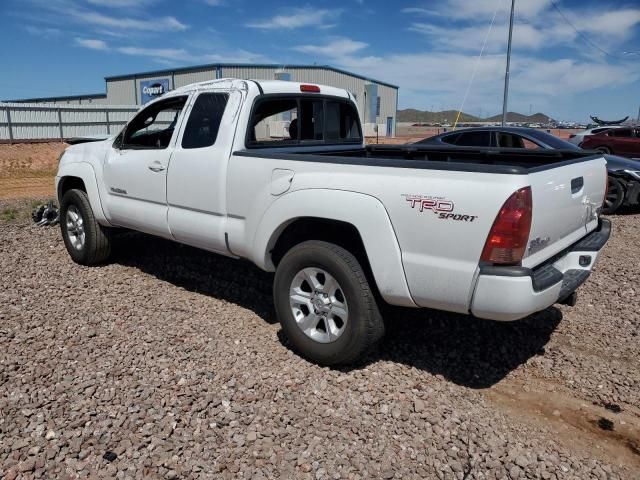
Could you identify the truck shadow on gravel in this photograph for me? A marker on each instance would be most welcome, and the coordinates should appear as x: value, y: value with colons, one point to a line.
x: 469, y: 352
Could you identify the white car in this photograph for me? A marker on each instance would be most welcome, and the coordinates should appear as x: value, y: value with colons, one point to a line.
x: 578, y: 137
x: 498, y: 234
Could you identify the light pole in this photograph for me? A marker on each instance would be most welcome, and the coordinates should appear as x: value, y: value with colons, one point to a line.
x: 506, y: 75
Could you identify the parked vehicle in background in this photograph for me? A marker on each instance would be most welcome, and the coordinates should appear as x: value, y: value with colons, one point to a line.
x: 578, y: 137
x: 500, y: 137
x: 344, y: 226
x: 618, y: 141
x: 624, y: 173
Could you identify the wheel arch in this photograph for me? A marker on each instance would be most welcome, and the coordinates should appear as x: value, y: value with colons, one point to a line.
x: 355, y: 221
x: 81, y: 176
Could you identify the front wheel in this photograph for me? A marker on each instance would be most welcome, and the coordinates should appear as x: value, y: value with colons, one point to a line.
x: 605, y: 150
x: 87, y: 242
x: 615, y: 196
x: 325, y: 304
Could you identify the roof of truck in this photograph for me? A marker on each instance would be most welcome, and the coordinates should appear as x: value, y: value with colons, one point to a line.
x: 265, y: 86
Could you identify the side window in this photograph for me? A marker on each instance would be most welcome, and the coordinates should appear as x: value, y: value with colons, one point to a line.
x: 508, y: 140
x: 153, y: 127
x: 620, y: 132
x: 204, y: 120
x: 451, y: 139
x: 475, y: 139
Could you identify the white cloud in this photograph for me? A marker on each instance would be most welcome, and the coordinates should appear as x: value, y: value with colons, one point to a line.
x: 214, y: 3
x: 236, y: 56
x: 91, y: 43
x: 45, y: 32
x: 158, y: 24
x: 122, y: 3
x: 462, y: 24
x: 335, y: 48
x: 439, y: 78
x: 171, y: 56
x: 298, y: 18
x: 164, y: 53
x: 475, y: 9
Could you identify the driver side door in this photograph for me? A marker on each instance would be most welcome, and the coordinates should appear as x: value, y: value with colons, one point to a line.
x: 136, y: 166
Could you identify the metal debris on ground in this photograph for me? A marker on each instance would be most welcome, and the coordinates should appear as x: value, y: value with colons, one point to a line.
x: 48, y: 214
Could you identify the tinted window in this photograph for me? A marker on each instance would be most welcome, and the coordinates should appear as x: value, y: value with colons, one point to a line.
x: 153, y: 127
x: 204, y: 120
x: 474, y: 139
x: 311, y: 120
x: 342, y: 122
x: 620, y: 132
x: 508, y: 140
x: 451, y: 139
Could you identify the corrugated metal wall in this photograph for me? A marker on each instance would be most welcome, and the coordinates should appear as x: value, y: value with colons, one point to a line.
x: 40, y: 121
x: 122, y: 92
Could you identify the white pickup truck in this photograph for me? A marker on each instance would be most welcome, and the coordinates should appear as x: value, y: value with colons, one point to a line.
x: 278, y: 173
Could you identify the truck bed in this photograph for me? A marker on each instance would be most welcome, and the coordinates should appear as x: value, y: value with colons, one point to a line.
x: 512, y: 161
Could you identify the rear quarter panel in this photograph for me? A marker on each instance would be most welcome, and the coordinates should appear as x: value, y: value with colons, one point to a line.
x: 440, y: 218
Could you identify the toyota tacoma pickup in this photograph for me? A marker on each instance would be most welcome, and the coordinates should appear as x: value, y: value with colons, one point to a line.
x: 278, y: 173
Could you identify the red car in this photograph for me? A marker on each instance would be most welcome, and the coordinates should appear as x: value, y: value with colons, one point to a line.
x: 618, y: 141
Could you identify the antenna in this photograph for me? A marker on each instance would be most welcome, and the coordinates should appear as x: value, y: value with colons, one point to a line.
x: 506, y: 74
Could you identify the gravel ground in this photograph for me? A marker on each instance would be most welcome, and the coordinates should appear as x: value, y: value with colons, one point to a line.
x: 168, y: 363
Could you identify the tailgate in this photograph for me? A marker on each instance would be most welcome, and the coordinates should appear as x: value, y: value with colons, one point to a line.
x: 566, y: 201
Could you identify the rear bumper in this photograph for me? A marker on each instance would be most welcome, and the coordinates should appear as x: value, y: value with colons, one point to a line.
x: 510, y: 293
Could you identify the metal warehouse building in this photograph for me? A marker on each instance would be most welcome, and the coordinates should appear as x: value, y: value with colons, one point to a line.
x: 377, y: 101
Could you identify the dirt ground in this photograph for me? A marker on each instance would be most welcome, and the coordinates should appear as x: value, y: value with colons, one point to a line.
x: 168, y: 363
x: 27, y: 170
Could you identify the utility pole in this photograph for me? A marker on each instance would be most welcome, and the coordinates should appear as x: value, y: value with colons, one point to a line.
x: 506, y: 75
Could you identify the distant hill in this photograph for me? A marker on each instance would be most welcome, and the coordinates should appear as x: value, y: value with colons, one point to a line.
x: 520, y: 118
x: 412, y: 115
x: 449, y: 116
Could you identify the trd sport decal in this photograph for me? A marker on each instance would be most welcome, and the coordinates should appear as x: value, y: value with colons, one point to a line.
x: 440, y: 206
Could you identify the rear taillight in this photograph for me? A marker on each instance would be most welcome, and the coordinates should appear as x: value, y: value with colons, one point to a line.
x: 507, y: 240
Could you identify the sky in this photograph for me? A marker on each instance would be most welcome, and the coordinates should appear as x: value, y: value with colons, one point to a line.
x: 571, y: 58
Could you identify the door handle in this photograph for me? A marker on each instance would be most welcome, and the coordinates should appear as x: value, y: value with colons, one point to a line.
x: 157, y: 168
x: 577, y: 184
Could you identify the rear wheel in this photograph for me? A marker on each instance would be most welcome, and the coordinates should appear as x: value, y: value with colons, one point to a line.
x: 87, y: 242
x: 605, y: 150
x: 325, y: 304
x: 615, y: 196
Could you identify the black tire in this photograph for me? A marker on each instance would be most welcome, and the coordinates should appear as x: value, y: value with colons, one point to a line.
x: 615, y: 196
x: 365, y: 326
x: 97, y: 243
x: 605, y: 150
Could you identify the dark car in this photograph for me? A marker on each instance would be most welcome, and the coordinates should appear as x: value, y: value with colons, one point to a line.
x: 618, y: 141
x: 624, y: 173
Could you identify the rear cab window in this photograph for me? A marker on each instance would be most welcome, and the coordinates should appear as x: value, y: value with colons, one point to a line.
x: 285, y: 120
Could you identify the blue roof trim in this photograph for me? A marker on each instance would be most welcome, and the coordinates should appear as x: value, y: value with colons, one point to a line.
x: 213, y: 66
